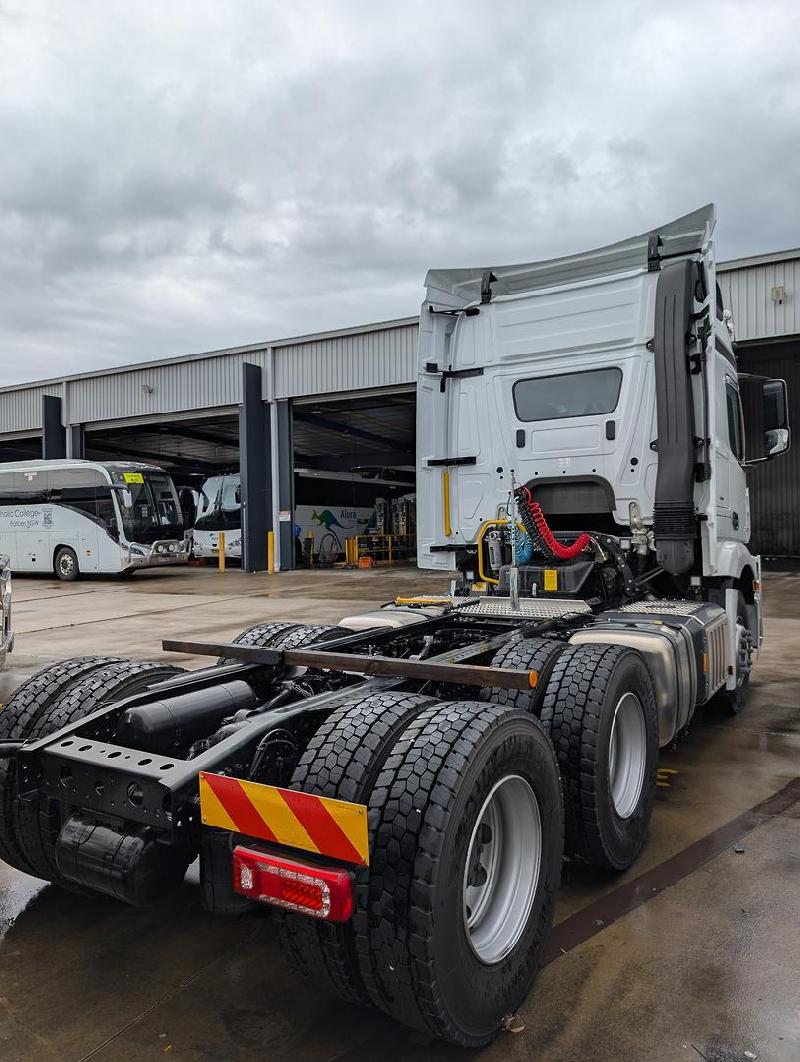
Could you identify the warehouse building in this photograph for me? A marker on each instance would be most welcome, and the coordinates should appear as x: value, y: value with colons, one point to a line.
x: 337, y: 408
x: 331, y: 416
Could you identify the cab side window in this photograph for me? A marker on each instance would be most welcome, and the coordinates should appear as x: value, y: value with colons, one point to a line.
x: 734, y: 421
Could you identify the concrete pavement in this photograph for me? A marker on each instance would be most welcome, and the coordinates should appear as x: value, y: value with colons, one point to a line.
x: 700, y: 959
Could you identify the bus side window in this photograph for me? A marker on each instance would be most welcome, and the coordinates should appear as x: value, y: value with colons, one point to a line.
x: 83, y: 489
x: 81, y: 498
x: 31, y: 486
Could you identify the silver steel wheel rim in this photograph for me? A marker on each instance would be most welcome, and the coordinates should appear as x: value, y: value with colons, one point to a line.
x: 66, y: 564
x: 502, y: 870
x: 627, y: 755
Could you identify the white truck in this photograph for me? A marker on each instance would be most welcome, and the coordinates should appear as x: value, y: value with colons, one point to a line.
x: 402, y: 788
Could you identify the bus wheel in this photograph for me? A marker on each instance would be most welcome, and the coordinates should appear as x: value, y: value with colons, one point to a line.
x: 466, y: 828
x: 600, y: 712
x: 66, y: 564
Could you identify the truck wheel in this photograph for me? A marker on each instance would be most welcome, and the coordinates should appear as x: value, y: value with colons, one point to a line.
x: 287, y: 636
x: 529, y: 654
x: 467, y: 838
x: 18, y: 719
x: 343, y: 760
x: 65, y: 564
x: 38, y: 820
x: 307, y: 634
x: 600, y: 712
x: 734, y: 700
x: 260, y: 635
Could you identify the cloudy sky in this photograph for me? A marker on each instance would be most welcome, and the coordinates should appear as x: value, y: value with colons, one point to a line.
x: 190, y: 175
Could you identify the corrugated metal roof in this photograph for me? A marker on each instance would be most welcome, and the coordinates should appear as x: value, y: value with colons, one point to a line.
x: 758, y: 259
x: 375, y: 355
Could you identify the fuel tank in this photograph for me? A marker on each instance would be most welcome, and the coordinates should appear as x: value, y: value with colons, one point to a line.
x: 685, y: 645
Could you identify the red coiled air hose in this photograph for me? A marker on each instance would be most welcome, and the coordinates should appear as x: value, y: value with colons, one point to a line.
x: 558, y: 549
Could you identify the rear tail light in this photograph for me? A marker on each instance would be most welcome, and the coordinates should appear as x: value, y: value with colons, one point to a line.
x: 316, y: 891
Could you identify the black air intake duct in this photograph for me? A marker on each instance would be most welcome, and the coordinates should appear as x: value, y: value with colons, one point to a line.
x: 675, y: 524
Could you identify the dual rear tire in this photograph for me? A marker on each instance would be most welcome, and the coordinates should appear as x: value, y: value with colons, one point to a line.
x: 468, y: 829
x: 59, y: 695
x: 466, y: 836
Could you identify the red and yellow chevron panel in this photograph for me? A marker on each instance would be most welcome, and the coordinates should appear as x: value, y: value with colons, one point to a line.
x: 317, y: 824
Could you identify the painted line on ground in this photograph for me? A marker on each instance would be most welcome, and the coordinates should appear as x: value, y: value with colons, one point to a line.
x: 580, y: 927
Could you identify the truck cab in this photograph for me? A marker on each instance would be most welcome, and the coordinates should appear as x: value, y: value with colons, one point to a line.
x: 606, y: 385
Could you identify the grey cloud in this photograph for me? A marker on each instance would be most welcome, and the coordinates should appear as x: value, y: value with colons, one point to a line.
x: 194, y: 175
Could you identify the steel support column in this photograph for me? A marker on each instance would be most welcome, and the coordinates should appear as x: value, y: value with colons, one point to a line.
x: 54, y: 438
x: 255, y: 463
x: 76, y: 442
x: 285, y: 445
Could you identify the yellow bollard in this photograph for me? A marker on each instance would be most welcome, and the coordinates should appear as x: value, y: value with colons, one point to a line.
x: 221, y: 550
x: 271, y: 552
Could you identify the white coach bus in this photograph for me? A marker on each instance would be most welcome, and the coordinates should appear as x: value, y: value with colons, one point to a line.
x: 81, y: 517
x: 349, y: 511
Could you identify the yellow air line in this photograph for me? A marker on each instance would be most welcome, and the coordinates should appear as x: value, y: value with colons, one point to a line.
x: 481, y: 532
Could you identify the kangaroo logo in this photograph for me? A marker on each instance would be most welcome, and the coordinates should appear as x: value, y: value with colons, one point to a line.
x: 327, y: 520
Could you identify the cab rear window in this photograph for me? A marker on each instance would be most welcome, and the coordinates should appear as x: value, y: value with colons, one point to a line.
x: 570, y: 394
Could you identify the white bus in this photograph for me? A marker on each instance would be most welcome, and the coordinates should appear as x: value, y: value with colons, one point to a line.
x: 220, y: 509
x: 81, y: 517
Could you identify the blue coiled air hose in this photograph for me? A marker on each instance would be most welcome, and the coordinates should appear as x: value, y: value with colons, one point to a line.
x: 524, y: 547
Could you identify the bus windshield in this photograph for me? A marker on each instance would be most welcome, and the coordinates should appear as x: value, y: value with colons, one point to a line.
x: 155, y: 512
x: 220, y: 507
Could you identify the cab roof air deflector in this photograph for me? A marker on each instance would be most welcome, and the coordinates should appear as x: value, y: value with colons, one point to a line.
x: 686, y: 235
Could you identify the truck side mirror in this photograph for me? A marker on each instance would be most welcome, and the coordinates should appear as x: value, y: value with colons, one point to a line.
x: 238, y: 495
x: 766, y: 417
x: 777, y: 434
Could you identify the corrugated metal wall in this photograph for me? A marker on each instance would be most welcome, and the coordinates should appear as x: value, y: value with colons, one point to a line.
x: 21, y: 409
x: 202, y: 383
x: 347, y: 363
x: 747, y: 293
x: 775, y: 485
x: 373, y: 357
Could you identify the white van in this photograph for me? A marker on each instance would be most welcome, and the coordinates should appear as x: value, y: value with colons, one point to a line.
x: 78, y: 517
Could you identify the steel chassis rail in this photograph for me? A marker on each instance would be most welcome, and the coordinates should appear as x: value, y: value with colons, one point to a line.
x: 82, y: 765
x: 353, y: 663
